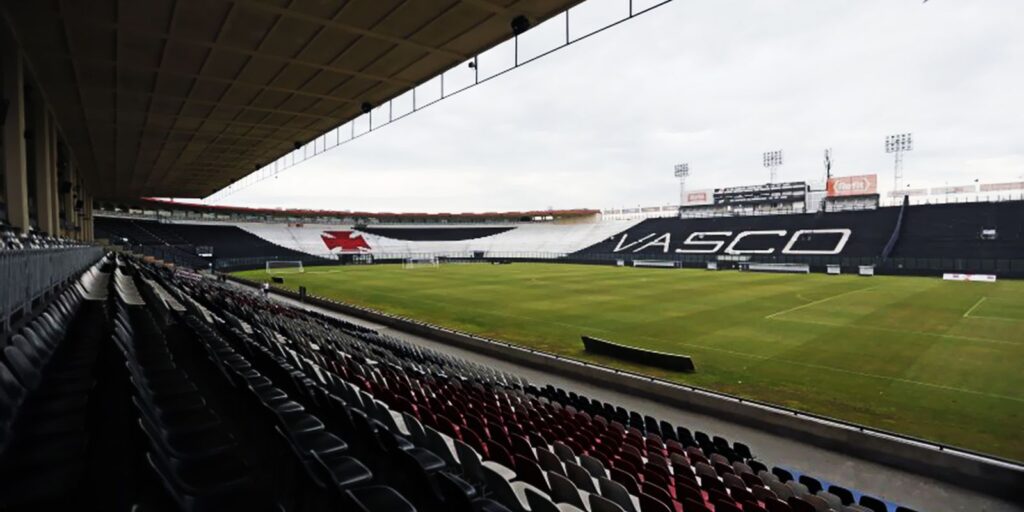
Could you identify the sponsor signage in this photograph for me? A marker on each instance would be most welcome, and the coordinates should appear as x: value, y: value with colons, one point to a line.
x: 909, y: 192
x: 1001, y: 187
x: 793, y: 191
x: 865, y: 184
x: 698, y: 197
x: 957, y: 189
x: 978, y: 278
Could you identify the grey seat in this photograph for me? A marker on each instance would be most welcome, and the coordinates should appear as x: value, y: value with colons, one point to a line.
x: 580, y: 477
x: 30, y: 351
x: 819, y: 503
x: 767, y: 476
x: 416, y: 433
x: 470, y: 462
x: 599, y: 504
x: 617, y: 493
x: 799, y: 490
x: 781, y: 490
x: 593, y: 466
x: 564, y: 491
x: 856, y: 508
x: 549, y: 461
x: 436, y: 444
x: 833, y: 501
x: 501, y: 490
x: 741, y: 468
x: 539, y: 502
x: 763, y: 493
x: 563, y: 451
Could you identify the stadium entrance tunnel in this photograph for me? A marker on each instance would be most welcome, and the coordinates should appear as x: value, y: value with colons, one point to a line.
x: 664, y: 360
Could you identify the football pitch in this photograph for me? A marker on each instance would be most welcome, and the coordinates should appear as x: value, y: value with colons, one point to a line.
x: 933, y: 359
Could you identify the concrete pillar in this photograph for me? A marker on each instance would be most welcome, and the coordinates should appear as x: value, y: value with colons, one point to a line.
x: 45, y: 167
x: 15, y: 173
x: 55, y: 177
x: 69, y: 201
x: 87, y: 231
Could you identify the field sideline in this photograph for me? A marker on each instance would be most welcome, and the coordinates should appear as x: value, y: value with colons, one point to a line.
x: 933, y: 359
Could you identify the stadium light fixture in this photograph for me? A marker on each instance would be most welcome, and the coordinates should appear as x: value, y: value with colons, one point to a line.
x: 772, y: 161
x: 681, y: 172
x: 897, y: 145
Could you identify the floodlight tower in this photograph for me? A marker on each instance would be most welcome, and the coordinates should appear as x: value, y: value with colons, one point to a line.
x: 897, y: 145
x: 682, y: 171
x: 772, y: 161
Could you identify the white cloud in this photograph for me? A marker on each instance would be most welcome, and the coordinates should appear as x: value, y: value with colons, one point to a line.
x: 710, y: 83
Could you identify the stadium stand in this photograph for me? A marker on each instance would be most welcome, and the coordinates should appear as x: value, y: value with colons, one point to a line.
x: 540, y: 238
x: 243, y: 402
x: 869, y: 231
x: 955, y: 231
x: 171, y: 239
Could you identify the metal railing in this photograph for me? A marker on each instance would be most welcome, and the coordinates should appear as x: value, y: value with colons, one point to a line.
x: 29, y: 274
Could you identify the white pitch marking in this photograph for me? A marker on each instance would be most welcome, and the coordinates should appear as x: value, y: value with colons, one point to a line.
x: 975, y: 306
x: 815, y: 303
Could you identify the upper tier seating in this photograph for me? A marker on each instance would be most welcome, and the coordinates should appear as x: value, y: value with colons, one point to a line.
x: 954, y: 231
x: 227, y: 241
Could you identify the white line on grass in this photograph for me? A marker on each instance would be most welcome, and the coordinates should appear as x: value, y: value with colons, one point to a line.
x: 815, y: 303
x: 975, y: 306
x: 1000, y: 318
x: 901, y: 331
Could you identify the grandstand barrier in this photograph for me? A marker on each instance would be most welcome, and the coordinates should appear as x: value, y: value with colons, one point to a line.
x: 26, y: 276
x: 791, y: 268
x: 665, y: 360
x: 655, y: 263
x: 971, y: 470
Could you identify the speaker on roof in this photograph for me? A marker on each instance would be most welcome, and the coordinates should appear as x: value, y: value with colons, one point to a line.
x: 366, y: 107
x: 520, y: 24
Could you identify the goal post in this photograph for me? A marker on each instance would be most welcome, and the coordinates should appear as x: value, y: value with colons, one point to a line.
x: 420, y: 262
x: 284, y: 267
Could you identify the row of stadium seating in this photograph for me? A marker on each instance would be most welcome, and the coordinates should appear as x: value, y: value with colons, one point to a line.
x: 243, y: 402
x: 12, y: 240
x: 954, y: 231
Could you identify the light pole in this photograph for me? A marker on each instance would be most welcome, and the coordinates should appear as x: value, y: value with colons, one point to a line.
x: 772, y: 161
x: 897, y: 145
x: 682, y: 171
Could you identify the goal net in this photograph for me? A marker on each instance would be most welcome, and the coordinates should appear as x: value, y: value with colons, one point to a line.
x: 420, y: 262
x: 284, y: 267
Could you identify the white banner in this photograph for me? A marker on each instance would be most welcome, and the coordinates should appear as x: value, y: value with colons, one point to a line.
x: 977, y: 278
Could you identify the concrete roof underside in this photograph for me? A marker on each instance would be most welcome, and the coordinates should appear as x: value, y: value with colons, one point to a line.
x: 178, y: 98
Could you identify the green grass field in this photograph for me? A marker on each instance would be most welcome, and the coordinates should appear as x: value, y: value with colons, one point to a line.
x: 932, y: 359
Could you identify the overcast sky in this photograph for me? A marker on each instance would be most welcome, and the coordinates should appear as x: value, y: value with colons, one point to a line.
x: 710, y: 82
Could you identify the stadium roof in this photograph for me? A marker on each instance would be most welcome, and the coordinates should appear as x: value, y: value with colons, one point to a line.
x: 163, y: 204
x: 178, y: 98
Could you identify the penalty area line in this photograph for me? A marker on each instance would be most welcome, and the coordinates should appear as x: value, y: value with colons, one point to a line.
x: 815, y: 303
x: 975, y: 306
